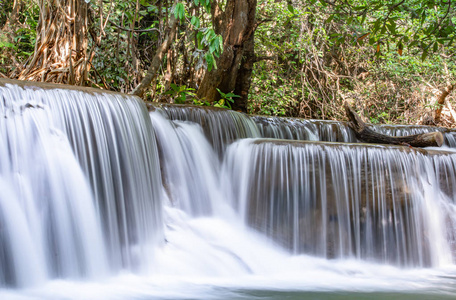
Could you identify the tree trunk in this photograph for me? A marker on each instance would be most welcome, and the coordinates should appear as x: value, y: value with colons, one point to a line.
x: 365, y: 134
x: 157, y: 60
x: 236, y: 24
x: 441, y: 102
x: 244, y: 77
x: 61, y: 46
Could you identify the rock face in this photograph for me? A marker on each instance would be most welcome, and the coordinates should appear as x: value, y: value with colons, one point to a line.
x: 343, y: 200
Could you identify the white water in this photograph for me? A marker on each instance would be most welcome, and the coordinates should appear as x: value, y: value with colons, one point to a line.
x: 190, y: 166
x: 212, y: 258
x: 209, y: 251
x: 334, y: 131
x: 347, y: 201
x: 46, y: 203
x: 69, y: 212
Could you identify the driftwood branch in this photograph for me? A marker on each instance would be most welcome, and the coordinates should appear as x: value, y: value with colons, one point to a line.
x: 365, y: 134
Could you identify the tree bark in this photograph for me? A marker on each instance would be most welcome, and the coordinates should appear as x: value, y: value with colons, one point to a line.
x: 365, y: 134
x: 441, y: 102
x: 236, y: 24
x: 61, y: 46
x: 158, y: 58
x: 244, y: 76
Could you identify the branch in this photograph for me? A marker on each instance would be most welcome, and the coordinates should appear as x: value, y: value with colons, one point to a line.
x: 444, y: 17
x: 365, y: 134
x: 390, y: 10
x: 157, y: 60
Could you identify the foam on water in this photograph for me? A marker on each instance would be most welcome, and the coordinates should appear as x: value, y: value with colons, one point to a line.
x: 212, y: 258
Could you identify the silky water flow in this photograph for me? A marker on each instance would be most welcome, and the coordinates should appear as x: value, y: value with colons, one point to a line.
x: 100, y: 199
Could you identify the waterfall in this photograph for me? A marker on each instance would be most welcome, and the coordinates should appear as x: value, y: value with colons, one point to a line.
x: 300, y: 129
x: 189, y: 165
x: 401, y: 130
x: 220, y: 126
x: 101, y: 199
x: 334, y: 200
x: 334, y: 131
x: 80, y: 191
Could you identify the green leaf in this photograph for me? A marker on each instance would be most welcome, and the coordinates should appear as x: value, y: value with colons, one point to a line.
x: 195, y: 22
x: 436, y: 47
x: 391, y: 26
x: 212, y: 47
x: 231, y: 95
x: 424, y: 55
x: 376, y: 26
x: 291, y: 8
x: 363, y: 18
x: 441, y: 41
x: 179, y: 11
x: 199, y: 37
x: 221, y: 93
x: 328, y: 20
x: 220, y: 39
x: 210, y: 61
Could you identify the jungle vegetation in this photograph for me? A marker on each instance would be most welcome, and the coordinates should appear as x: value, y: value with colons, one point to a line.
x: 394, y: 59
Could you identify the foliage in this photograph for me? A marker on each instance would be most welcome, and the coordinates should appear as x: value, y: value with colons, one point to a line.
x: 226, y: 99
x: 322, y: 52
x: 420, y: 25
x: 17, y: 41
x: 180, y: 93
x: 311, y: 55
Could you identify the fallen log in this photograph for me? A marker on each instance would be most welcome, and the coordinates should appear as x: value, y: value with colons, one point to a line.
x: 366, y: 134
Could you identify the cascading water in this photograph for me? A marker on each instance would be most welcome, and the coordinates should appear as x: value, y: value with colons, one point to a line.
x: 333, y: 131
x: 347, y: 201
x: 300, y: 129
x: 401, y: 130
x: 190, y: 167
x: 80, y: 192
x: 83, y: 176
x: 47, y: 218
x: 220, y: 126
